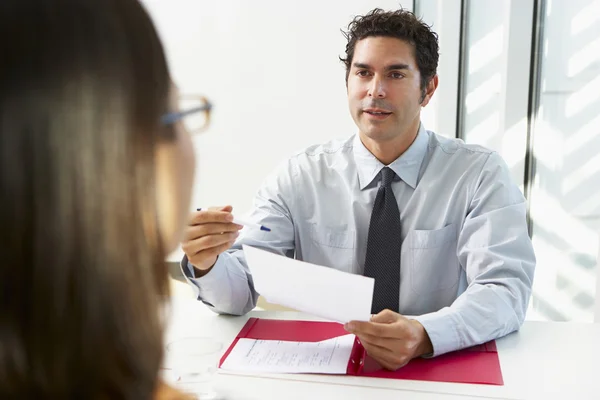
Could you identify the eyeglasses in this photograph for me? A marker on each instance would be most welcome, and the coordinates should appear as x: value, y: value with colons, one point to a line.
x: 195, y: 113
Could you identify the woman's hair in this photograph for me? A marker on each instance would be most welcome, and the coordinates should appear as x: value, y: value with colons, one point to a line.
x: 83, y: 84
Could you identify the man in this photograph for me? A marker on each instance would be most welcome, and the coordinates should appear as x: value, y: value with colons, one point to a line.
x: 438, y: 223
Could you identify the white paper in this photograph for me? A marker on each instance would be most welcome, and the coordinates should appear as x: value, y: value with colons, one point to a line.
x: 276, y: 356
x: 313, y: 289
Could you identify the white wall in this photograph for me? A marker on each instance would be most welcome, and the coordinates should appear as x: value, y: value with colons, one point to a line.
x: 444, y: 18
x: 271, y: 69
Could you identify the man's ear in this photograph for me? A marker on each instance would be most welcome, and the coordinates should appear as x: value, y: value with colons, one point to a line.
x: 429, y: 90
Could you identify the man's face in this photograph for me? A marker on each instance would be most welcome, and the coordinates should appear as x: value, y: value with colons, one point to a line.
x: 384, y: 92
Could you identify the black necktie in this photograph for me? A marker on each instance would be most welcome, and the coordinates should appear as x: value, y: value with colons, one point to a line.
x: 383, y: 246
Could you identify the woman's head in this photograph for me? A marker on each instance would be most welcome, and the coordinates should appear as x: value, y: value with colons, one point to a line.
x: 94, y: 191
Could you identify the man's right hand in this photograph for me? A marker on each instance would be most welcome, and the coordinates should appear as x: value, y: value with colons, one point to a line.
x: 209, y: 233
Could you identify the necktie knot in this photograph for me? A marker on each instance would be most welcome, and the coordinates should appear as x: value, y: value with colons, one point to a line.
x: 387, y: 176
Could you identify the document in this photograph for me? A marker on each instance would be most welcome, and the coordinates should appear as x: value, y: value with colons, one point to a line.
x: 313, y: 289
x: 329, y: 356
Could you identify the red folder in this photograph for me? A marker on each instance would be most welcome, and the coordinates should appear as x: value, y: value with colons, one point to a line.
x: 478, y: 364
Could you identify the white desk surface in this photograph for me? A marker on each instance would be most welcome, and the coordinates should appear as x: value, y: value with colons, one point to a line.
x: 544, y: 360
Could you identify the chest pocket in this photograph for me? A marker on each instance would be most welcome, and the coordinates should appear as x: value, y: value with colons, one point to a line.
x: 332, y: 247
x: 433, y: 263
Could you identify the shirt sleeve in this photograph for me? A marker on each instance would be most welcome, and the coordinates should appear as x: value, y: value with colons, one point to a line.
x: 497, y: 254
x: 228, y: 287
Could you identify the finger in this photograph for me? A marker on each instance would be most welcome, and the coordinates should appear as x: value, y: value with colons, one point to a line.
x: 385, y: 357
x: 192, y: 247
x: 198, y: 231
x: 385, y: 343
x: 199, y: 257
x: 386, y: 316
x: 208, y: 216
x: 370, y: 328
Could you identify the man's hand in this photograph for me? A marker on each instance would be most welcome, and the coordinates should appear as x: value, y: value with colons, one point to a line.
x: 391, y: 339
x: 209, y: 233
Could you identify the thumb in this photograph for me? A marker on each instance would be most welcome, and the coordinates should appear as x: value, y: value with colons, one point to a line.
x: 221, y: 208
x: 386, y: 317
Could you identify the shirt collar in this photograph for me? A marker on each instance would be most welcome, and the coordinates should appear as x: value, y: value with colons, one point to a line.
x: 406, y: 166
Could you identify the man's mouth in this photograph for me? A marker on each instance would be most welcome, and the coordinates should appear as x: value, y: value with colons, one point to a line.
x: 377, y: 112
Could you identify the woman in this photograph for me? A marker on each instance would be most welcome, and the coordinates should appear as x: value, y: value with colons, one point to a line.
x: 95, y: 189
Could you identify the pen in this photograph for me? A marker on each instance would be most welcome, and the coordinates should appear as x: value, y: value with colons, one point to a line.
x: 241, y: 221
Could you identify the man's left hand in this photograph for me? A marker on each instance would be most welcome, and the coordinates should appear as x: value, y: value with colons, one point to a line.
x: 391, y: 339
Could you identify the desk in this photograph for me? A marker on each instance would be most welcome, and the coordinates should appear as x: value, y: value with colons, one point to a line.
x: 544, y: 360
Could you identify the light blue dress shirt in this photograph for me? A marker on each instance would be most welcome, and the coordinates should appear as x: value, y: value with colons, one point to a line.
x: 467, y: 262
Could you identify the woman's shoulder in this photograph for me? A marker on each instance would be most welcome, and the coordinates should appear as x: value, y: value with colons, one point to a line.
x: 166, y: 392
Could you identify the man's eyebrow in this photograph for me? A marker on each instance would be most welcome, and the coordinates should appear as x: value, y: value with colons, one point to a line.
x: 397, y: 66
x: 361, y: 65
x: 388, y: 68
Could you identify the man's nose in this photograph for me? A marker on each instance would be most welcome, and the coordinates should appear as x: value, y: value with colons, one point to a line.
x: 377, y: 88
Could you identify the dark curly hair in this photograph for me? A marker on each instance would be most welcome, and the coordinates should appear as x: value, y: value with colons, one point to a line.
x: 401, y: 24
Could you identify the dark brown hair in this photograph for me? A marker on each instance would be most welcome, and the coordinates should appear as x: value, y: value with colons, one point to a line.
x: 83, y: 84
x: 400, y: 24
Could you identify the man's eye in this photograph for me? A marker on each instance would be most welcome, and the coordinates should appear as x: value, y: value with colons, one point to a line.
x: 396, y: 75
x: 362, y: 73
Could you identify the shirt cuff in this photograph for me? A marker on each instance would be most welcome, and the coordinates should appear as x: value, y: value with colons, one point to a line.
x: 441, y: 327
x: 187, y: 268
x: 188, y: 273
x: 202, y: 285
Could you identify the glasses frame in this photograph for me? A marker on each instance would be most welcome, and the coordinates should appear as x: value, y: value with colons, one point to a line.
x: 173, y: 117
